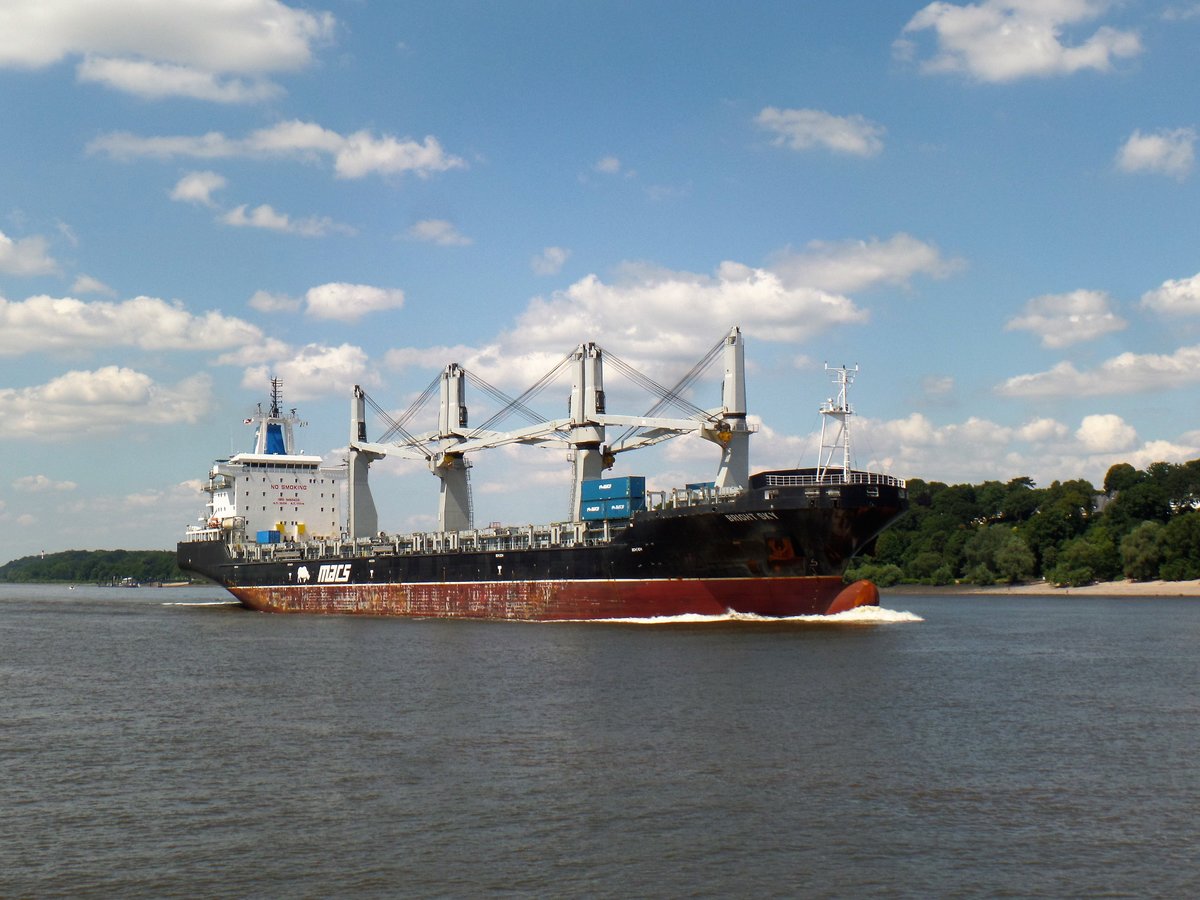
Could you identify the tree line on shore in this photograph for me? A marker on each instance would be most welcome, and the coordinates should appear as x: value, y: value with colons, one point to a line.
x: 95, y: 567
x: 1142, y: 525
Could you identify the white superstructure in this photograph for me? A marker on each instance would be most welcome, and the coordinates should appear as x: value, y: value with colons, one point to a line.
x: 273, y: 488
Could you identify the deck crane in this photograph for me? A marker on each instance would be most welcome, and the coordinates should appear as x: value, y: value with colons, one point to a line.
x: 582, y: 431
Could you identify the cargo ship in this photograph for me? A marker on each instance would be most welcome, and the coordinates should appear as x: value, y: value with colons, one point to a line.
x: 773, y: 543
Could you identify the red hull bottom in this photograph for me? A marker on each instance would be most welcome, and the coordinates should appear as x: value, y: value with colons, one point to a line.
x: 569, y: 600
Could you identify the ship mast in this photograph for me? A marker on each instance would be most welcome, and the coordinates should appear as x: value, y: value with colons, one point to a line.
x: 734, y: 435
x: 455, y: 511
x: 276, y: 396
x: 838, y: 411
x: 363, y: 520
x: 275, y: 435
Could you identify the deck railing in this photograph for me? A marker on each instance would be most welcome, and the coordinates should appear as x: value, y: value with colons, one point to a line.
x: 832, y: 479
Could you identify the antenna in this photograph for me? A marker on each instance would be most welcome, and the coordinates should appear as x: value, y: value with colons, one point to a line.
x: 839, y: 411
x: 276, y: 396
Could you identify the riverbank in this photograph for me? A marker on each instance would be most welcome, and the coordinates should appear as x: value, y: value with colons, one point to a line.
x: 1045, y: 589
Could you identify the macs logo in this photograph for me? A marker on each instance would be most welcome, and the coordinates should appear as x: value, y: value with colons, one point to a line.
x: 338, y: 574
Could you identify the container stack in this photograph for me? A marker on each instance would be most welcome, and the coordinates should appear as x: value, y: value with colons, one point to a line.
x: 612, y: 498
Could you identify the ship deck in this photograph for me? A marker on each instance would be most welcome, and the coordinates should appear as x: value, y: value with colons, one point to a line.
x: 792, y: 488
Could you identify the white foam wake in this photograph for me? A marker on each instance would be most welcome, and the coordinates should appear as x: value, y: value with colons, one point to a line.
x: 861, y: 615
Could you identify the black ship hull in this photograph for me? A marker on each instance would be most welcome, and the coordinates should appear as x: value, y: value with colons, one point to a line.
x: 777, y: 549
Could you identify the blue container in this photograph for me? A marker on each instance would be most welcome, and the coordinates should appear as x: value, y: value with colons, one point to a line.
x: 592, y: 510
x: 623, y: 507
x: 268, y: 537
x: 701, y: 486
x: 608, y: 488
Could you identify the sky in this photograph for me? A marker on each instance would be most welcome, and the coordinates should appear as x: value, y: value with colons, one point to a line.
x: 990, y: 208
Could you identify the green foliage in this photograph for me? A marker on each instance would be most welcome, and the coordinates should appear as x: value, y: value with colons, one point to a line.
x: 892, y: 546
x: 923, y: 566
x: 1020, y: 501
x: 981, y: 575
x: 1144, y: 501
x: 941, y: 575
x: 1012, y: 532
x: 95, y: 567
x: 1093, y: 556
x: 1014, y: 561
x: 1000, y: 550
x: 1120, y: 477
x: 1181, y: 548
x: 1142, y: 552
x: 885, y: 575
x: 1070, y: 576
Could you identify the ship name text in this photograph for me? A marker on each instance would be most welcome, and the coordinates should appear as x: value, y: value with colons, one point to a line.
x: 338, y: 574
x: 751, y: 517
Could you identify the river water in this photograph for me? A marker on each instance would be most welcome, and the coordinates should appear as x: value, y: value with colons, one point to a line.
x: 156, y: 743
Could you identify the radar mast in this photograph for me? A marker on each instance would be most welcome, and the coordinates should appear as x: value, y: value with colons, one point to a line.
x: 838, y: 411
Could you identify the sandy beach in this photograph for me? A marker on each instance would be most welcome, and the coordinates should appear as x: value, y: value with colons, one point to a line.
x: 1042, y: 588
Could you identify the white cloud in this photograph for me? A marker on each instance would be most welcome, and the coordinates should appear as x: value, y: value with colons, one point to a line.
x: 651, y: 315
x: 1162, y: 153
x: 110, y: 399
x: 26, y: 256
x: 198, y: 187
x: 608, y: 165
x: 44, y: 323
x: 433, y: 358
x: 803, y: 129
x: 336, y: 300
x: 350, y: 302
x: 245, y: 35
x: 978, y: 449
x: 251, y: 354
x: 86, y: 284
x: 266, y: 217
x: 1042, y: 431
x: 67, y: 232
x: 363, y: 154
x: 38, y: 484
x: 438, y: 231
x: 498, y: 363
x: 856, y: 265
x: 263, y: 216
x: 1106, y: 433
x: 185, y: 490
x: 550, y: 261
x: 1179, y: 297
x: 314, y: 370
x: 183, y: 48
x: 1128, y: 373
x: 1004, y: 40
x: 654, y: 312
x: 937, y: 385
x: 153, y: 81
x: 1060, y: 320
x: 354, y: 156
x: 264, y: 301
